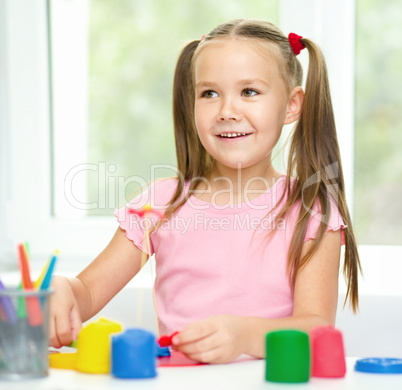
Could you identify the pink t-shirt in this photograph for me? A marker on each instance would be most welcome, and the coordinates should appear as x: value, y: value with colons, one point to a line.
x: 213, y: 259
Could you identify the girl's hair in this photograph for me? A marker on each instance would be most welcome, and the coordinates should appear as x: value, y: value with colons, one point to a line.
x: 314, y: 157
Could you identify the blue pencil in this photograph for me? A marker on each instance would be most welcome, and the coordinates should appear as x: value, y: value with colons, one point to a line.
x: 49, y: 273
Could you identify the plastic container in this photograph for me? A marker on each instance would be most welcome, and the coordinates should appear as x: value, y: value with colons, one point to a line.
x: 328, y: 353
x: 287, y: 356
x: 93, y: 346
x: 376, y: 365
x: 134, y: 354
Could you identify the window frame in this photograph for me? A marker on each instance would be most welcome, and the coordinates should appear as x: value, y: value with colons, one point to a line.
x: 26, y: 167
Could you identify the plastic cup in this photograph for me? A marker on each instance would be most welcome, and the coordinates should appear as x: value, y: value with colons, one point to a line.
x: 24, y: 334
x: 287, y: 356
x: 134, y: 354
x: 328, y: 355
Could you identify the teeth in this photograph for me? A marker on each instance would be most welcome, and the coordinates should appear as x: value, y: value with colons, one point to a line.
x: 232, y: 135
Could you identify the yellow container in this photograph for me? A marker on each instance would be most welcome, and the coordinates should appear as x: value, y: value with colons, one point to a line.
x: 93, y: 346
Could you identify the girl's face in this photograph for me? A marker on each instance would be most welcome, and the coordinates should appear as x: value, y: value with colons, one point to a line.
x: 241, y: 103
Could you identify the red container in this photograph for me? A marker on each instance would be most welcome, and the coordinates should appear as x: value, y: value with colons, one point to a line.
x: 328, y: 354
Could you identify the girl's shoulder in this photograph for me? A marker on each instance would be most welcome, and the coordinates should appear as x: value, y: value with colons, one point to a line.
x: 329, y: 213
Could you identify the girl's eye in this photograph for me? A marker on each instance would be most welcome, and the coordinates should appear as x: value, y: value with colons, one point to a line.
x: 209, y: 94
x: 249, y: 92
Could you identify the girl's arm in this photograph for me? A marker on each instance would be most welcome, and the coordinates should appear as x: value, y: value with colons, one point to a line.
x: 75, y: 300
x: 220, y: 339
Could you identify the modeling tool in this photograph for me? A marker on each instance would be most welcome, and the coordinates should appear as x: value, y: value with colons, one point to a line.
x: 49, y: 272
x: 144, y: 212
x: 35, y: 317
x: 8, y: 310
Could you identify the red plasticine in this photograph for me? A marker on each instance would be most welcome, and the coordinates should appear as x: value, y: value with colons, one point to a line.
x: 166, y: 341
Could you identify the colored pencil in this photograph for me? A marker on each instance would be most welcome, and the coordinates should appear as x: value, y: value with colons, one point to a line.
x: 34, y: 310
x: 9, y: 312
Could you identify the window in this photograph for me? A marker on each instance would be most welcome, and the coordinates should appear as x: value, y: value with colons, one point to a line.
x: 378, y: 136
x: 74, y: 146
x: 60, y: 178
x: 112, y: 85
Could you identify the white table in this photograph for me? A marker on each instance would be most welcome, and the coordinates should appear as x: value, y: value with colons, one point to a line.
x: 246, y: 375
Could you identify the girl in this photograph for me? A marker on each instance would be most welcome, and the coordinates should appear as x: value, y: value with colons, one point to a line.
x: 240, y: 248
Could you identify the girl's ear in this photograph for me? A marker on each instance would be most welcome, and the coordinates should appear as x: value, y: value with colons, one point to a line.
x: 295, y: 105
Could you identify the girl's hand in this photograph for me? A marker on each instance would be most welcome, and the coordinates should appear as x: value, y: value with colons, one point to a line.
x: 65, y: 320
x: 217, y: 339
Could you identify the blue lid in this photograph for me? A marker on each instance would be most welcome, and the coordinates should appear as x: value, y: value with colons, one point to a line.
x: 379, y: 365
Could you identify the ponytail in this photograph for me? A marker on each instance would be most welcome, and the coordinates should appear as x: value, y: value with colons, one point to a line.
x: 314, y: 159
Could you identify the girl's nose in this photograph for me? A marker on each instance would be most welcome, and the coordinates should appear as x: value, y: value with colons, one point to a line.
x: 229, y: 111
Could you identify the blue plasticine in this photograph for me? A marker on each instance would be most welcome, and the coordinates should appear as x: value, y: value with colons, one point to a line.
x: 133, y: 354
x: 162, y: 351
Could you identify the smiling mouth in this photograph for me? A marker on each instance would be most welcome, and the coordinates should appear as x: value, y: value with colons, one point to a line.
x: 233, y: 135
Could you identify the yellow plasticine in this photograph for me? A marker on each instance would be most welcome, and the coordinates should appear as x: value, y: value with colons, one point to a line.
x: 93, y: 346
x: 65, y: 361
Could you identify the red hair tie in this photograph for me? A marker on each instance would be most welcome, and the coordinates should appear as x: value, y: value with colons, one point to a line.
x: 295, y: 43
